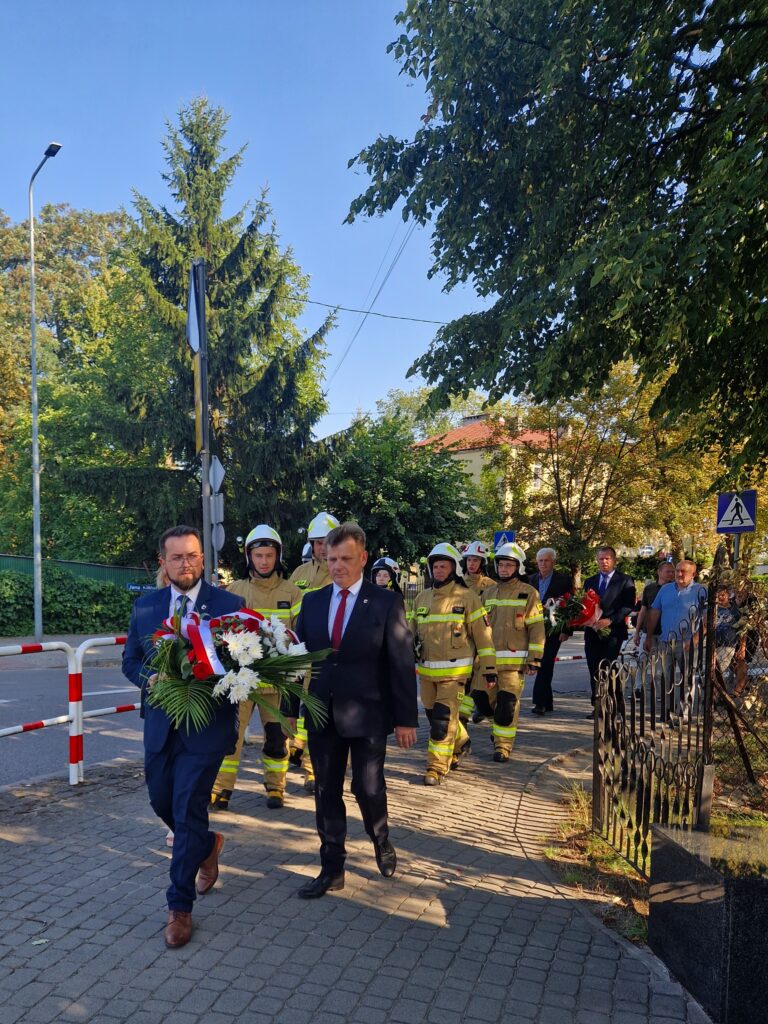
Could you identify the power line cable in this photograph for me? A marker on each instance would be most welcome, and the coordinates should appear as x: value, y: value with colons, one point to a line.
x: 370, y: 312
x: 367, y: 313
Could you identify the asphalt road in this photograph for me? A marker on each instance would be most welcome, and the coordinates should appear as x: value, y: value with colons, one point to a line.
x: 30, y: 694
x: 27, y: 695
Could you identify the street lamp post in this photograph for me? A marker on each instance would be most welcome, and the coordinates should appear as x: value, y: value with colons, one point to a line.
x: 37, y: 556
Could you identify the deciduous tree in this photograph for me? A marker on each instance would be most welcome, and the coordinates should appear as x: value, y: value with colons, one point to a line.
x: 600, y: 172
x: 406, y: 498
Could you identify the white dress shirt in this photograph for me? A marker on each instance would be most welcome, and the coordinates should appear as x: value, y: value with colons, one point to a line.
x: 608, y: 578
x: 354, y: 590
x: 190, y: 594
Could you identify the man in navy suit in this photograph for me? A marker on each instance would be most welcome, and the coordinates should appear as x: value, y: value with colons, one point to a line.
x: 616, y: 591
x: 179, y: 765
x: 550, y: 584
x: 368, y: 686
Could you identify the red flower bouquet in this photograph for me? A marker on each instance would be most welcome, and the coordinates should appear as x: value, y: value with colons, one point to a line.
x: 564, y: 614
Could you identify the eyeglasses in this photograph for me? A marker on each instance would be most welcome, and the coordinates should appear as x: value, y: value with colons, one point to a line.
x: 181, y: 559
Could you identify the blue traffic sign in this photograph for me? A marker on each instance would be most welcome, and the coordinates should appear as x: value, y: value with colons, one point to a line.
x: 737, y: 512
x: 503, y: 537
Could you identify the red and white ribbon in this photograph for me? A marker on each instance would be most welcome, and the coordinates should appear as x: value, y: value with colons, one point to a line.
x: 197, y: 631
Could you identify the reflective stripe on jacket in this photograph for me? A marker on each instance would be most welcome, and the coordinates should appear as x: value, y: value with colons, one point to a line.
x: 517, y: 621
x: 451, y: 629
x: 313, y: 575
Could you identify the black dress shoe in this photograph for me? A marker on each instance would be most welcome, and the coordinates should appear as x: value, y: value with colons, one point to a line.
x: 537, y: 710
x: 386, y: 858
x: 320, y: 886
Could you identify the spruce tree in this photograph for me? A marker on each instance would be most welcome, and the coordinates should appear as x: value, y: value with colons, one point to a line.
x: 264, y: 374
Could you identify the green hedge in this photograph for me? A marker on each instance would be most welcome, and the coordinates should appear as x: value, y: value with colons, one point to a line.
x: 71, y: 604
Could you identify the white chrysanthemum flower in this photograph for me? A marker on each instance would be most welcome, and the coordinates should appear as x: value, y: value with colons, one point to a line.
x: 297, y: 649
x: 224, y: 685
x: 280, y: 634
x: 244, y: 647
x: 245, y: 681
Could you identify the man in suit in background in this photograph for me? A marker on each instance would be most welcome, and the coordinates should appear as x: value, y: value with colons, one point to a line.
x: 180, y: 766
x: 368, y: 686
x: 549, y: 584
x: 616, y: 591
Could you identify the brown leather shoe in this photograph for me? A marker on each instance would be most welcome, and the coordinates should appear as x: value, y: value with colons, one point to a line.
x: 178, y: 931
x: 208, y: 871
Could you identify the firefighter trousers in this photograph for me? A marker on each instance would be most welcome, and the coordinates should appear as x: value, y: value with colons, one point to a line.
x: 447, y: 734
x: 274, y: 751
x: 504, y: 702
x: 300, y: 748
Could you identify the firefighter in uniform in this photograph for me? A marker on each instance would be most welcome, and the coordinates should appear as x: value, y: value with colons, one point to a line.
x: 450, y: 629
x: 475, y: 565
x: 312, y: 574
x: 517, y: 621
x: 264, y: 591
x: 385, y: 572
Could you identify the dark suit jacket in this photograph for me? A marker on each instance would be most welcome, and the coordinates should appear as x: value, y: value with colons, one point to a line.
x: 370, y: 682
x: 617, y: 602
x: 561, y: 583
x: 147, y: 614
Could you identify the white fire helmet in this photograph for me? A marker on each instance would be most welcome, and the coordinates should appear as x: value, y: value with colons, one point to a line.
x: 321, y: 526
x: 512, y: 551
x: 447, y: 551
x: 386, y: 563
x: 306, y: 553
x: 477, y: 550
x: 262, y: 532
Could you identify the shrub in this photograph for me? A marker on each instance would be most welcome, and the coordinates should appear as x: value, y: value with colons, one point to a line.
x: 71, y: 604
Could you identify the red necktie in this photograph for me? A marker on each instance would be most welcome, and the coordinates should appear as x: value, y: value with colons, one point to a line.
x: 338, y: 622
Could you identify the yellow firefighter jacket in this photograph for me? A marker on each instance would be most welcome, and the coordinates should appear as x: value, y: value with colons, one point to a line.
x: 451, y: 628
x: 517, y: 621
x: 311, y: 576
x: 478, y: 582
x: 272, y: 596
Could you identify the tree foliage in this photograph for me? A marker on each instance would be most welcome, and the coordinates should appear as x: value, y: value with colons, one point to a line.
x: 116, y: 391
x: 602, y: 173
x: 406, y: 498
x: 264, y: 374
x: 597, y: 469
x: 414, y: 408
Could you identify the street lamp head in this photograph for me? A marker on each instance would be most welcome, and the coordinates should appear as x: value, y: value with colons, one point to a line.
x: 53, y: 149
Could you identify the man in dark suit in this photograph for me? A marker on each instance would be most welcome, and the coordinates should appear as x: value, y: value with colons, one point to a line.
x: 616, y: 591
x: 549, y: 584
x: 368, y: 686
x: 180, y: 766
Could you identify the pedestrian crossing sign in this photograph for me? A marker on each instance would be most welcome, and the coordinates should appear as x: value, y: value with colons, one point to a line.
x: 503, y: 537
x: 737, y: 512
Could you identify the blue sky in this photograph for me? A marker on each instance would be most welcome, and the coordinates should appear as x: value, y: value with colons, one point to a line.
x: 307, y: 84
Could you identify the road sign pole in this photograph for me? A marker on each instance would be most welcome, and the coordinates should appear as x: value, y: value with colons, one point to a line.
x: 198, y: 276
x: 736, y: 545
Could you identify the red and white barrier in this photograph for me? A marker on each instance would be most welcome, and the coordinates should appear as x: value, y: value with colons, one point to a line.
x: 75, y: 715
x: 572, y: 657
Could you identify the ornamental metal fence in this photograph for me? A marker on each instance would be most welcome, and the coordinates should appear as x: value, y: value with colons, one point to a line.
x: 681, y: 733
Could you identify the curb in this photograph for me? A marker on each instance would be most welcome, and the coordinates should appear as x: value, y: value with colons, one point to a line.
x: 642, y: 953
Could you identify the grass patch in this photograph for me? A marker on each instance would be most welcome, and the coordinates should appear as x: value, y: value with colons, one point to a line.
x: 723, y: 822
x: 585, y: 861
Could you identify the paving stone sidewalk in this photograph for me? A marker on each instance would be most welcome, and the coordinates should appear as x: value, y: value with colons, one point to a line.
x: 472, y: 929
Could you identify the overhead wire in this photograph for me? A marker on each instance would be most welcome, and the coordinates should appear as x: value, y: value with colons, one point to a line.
x: 368, y: 312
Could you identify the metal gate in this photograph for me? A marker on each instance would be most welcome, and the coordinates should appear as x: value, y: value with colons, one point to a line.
x: 652, y: 746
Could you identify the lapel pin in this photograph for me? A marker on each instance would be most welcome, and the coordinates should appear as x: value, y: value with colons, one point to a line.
x: 365, y: 600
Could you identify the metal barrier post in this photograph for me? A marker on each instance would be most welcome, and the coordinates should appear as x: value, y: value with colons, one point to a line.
x: 75, y: 689
x: 75, y: 715
x: 76, y: 707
